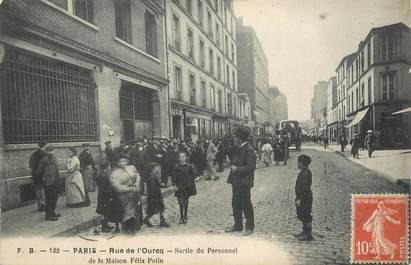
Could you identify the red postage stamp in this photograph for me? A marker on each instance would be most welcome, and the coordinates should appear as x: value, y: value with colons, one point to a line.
x: 379, y: 232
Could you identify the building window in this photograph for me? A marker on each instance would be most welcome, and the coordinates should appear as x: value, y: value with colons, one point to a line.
x: 388, y: 86
x: 218, y: 68
x: 151, y: 34
x: 202, y: 54
x: 388, y: 48
x: 362, y: 61
x: 178, y: 83
x: 122, y: 14
x: 226, y: 45
x: 229, y: 104
x: 203, y: 94
x: 190, y: 43
x: 227, y: 73
x: 225, y: 14
x: 233, y: 74
x: 176, y: 33
x: 200, y: 12
x: 220, y: 101
x: 193, y: 94
x: 212, y: 97
x: 189, y: 6
x: 210, y: 23
x: 211, y: 60
x: 362, y: 95
x: 81, y: 8
x: 135, y: 102
x: 46, y: 100
x: 217, y: 33
x: 369, y: 90
x: 232, y: 52
x: 84, y: 9
x: 368, y: 54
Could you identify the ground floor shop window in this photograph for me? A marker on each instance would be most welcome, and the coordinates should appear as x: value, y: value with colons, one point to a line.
x: 45, y: 99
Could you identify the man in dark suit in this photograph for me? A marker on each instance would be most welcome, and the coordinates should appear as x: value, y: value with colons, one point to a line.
x: 242, y: 180
x: 37, y: 179
x: 51, y: 181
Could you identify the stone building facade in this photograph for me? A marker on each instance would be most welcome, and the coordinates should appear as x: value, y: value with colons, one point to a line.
x: 73, y: 72
x: 202, y: 67
x: 253, y: 76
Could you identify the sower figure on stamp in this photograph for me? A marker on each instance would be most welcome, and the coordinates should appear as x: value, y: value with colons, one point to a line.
x: 242, y: 180
x: 304, y: 198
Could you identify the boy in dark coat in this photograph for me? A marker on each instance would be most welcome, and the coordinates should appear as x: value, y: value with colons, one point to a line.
x: 304, y: 198
x: 184, y: 180
x: 155, y: 202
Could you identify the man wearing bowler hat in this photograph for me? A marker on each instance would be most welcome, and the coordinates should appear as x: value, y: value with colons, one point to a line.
x: 242, y: 180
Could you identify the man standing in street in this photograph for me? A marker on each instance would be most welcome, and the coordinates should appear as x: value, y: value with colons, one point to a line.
x: 88, y: 168
x: 138, y: 159
x: 211, y: 153
x: 221, y: 154
x: 37, y: 179
x: 51, y: 181
x: 242, y: 180
x: 369, y: 142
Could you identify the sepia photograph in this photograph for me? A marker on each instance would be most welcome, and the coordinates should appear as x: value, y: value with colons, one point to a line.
x: 179, y: 132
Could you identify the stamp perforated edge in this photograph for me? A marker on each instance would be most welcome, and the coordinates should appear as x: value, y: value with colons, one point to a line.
x: 407, y: 197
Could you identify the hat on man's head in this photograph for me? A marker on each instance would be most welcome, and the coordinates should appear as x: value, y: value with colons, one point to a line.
x: 369, y: 131
x: 50, y: 148
x: 305, y: 159
x: 42, y: 144
x: 107, y: 143
x: 243, y: 132
x: 85, y: 145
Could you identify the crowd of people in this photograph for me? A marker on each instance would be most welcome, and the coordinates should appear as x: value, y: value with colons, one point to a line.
x: 142, y: 167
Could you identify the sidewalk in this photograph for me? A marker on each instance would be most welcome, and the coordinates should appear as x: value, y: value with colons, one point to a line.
x: 395, y: 164
x: 26, y: 221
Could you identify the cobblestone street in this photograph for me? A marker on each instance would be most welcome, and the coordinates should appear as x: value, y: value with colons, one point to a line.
x: 334, y: 179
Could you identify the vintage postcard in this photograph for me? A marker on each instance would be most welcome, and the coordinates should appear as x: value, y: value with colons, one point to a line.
x: 205, y: 132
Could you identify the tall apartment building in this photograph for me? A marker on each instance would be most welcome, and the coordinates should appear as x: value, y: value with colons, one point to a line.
x: 332, y: 110
x: 278, y: 108
x: 342, y: 90
x: 74, y: 72
x: 202, y: 66
x: 319, y: 103
x: 253, y: 75
x: 379, y: 85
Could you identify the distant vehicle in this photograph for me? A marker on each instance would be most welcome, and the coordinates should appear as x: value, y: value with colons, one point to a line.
x: 293, y: 131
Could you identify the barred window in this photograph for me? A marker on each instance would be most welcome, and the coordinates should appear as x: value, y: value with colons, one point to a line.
x: 135, y: 102
x: 45, y: 99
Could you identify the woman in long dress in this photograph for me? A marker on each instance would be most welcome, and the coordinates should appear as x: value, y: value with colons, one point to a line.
x: 76, y: 196
x: 375, y: 224
x: 125, y: 180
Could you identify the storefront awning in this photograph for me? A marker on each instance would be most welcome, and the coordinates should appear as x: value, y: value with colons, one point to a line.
x: 360, y: 115
x: 403, y: 111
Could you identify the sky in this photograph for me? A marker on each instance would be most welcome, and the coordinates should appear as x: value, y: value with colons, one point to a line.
x: 304, y: 40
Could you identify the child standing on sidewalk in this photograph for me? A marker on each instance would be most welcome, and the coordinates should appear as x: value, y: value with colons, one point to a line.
x: 184, y: 180
x: 304, y: 198
x: 155, y: 202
